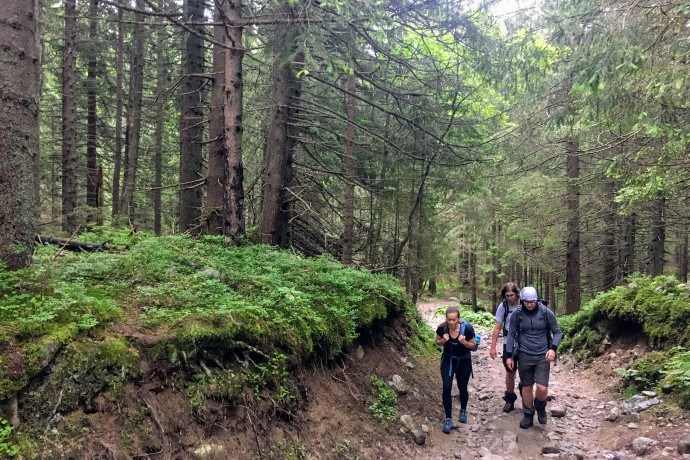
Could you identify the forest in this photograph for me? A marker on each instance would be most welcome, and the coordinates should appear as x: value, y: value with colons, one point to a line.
x: 449, y: 146
x: 546, y: 146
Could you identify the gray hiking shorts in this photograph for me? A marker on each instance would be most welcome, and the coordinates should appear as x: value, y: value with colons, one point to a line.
x: 533, y: 368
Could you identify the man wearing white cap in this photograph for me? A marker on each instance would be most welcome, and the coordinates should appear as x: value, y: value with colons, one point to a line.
x: 533, y: 339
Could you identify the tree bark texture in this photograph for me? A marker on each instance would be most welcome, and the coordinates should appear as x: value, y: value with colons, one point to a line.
x: 91, y: 117
x: 658, y: 242
x: 280, y: 140
x: 69, y: 118
x: 134, y: 113
x: 682, y: 254
x: 349, y: 166
x: 19, y: 91
x: 216, y: 154
x: 119, y: 71
x: 233, y: 192
x: 627, y: 255
x: 191, y: 118
x: 608, y: 244
x: 572, y: 256
x: 161, y: 76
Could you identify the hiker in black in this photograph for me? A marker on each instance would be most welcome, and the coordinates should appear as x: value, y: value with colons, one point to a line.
x: 457, y: 338
x: 511, y: 301
x: 533, y: 339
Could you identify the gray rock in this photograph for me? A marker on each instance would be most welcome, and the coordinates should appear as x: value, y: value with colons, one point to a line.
x: 641, y: 445
x: 172, y: 270
x: 209, y: 451
x: 359, y: 352
x: 558, y: 411
x: 399, y: 385
x: 649, y: 394
x: 632, y: 286
x: 632, y: 426
x: 684, y: 444
x: 666, y: 389
x: 550, y: 449
x: 613, y: 415
x: 637, y: 404
x: 409, y: 365
x: 415, y: 428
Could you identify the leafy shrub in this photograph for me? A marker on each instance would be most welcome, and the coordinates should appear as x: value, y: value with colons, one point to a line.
x: 477, y: 318
x: 660, y: 368
x: 7, y: 448
x: 386, y: 400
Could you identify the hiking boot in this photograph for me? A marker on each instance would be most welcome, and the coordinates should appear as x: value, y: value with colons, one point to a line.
x: 527, y: 417
x: 540, y: 406
x: 463, y: 416
x: 510, y: 399
x: 448, y: 425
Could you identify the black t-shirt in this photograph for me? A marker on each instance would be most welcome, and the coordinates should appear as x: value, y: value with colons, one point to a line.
x: 453, y: 347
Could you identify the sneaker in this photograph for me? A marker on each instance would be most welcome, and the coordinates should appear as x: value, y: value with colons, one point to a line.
x: 463, y: 416
x: 448, y: 425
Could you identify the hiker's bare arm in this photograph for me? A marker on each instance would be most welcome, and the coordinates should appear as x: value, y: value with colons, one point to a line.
x: 468, y: 343
x: 441, y: 340
x: 494, y: 339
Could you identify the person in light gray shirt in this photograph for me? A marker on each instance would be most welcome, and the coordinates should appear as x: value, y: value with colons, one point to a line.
x: 533, y: 338
x: 511, y: 301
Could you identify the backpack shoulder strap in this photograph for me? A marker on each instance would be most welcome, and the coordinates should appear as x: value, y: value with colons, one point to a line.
x: 506, y: 312
x: 462, y: 327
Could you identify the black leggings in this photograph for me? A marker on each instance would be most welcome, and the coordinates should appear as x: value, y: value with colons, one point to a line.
x: 462, y: 368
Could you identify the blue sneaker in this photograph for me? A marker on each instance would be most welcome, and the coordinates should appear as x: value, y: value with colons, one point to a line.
x: 463, y: 416
x: 448, y: 425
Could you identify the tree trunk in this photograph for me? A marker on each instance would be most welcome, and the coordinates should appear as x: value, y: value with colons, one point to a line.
x: 572, y: 256
x: 657, y: 244
x: 91, y: 117
x: 19, y: 91
x: 280, y: 140
x: 134, y: 113
x: 349, y: 163
x: 161, y: 77
x: 608, y: 245
x: 69, y: 119
x: 473, y: 279
x: 216, y: 155
x: 191, y: 117
x: 233, y: 192
x: 627, y: 255
x: 682, y: 254
x: 119, y: 71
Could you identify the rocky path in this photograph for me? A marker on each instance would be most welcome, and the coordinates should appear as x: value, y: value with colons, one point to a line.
x: 584, y: 396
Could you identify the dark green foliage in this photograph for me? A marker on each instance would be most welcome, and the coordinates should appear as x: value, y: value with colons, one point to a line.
x: 659, y: 308
x: 477, y: 319
x: 386, y: 400
x: 200, y: 295
x: 658, y: 369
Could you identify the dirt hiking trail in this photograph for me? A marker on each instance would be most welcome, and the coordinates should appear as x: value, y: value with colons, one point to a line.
x: 586, y: 395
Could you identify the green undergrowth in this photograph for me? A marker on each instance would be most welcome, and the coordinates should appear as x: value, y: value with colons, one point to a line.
x: 476, y: 318
x: 196, y: 292
x: 656, y: 309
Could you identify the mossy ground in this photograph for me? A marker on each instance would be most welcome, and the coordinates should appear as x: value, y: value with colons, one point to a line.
x: 655, y: 309
x: 228, y: 322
